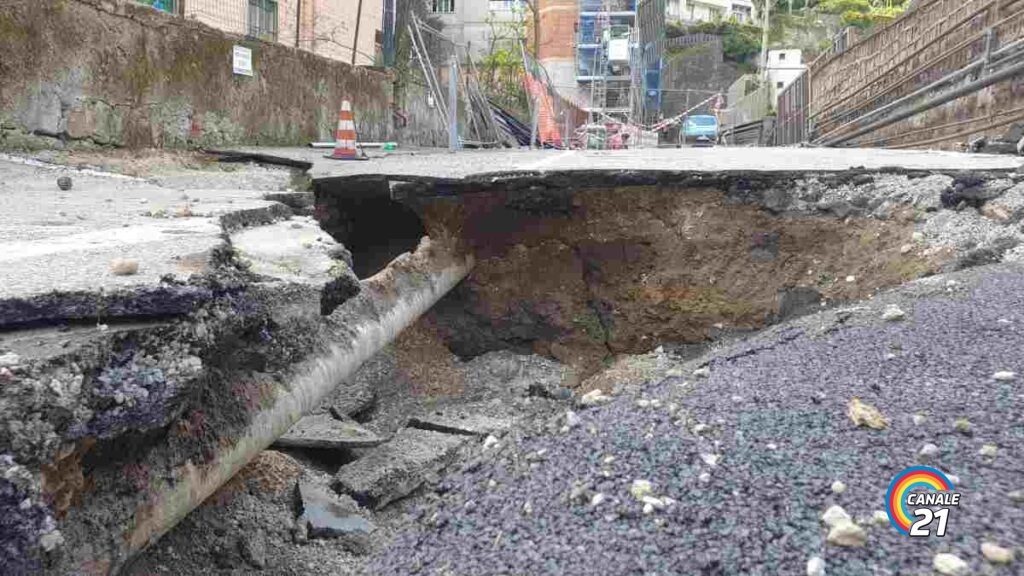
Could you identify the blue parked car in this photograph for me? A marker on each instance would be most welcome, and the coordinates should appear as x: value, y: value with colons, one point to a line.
x: 701, y: 130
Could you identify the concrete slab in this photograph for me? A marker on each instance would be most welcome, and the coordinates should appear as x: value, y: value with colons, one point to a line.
x: 325, y: 432
x: 444, y: 165
x: 395, y: 469
x: 57, y: 247
x: 327, y: 515
x: 296, y: 251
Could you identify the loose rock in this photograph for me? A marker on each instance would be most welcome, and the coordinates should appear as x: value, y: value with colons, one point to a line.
x: 950, y: 565
x: 640, y: 488
x: 928, y: 451
x: 848, y: 535
x: 838, y: 487
x: 835, y: 515
x: 865, y: 415
x: 816, y: 566
x: 893, y: 313
x: 702, y: 372
x: 64, y: 183
x: 1004, y: 376
x: 996, y: 554
x: 124, y: 267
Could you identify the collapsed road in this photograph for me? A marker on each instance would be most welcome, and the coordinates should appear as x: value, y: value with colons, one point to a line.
x: 156, y: 340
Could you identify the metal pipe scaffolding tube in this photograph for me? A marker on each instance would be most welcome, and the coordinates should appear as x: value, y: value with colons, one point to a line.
x: 389, y: 302
x: 933, y: 102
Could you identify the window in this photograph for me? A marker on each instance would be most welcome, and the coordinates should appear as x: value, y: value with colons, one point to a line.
x: 502, y: 5
x: 263, y: 19
x: 442, y: 6
x: 779, y: 85
x: 782, y: 56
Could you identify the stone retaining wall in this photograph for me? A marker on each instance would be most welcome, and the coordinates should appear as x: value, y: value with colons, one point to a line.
x: 108, y: 72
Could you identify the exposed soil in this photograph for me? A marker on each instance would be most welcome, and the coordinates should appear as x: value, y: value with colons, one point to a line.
x: 622, y: 271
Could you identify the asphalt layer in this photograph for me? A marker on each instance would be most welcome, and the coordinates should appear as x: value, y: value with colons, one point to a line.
x: 773, y: 411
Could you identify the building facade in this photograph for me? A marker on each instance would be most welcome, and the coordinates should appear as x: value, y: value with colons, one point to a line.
x: 476, y: 24
x: 784, y: 66
x: 344, y: 30
x: 709, y: 10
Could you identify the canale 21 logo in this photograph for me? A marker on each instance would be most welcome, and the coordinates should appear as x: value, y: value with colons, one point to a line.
x: 919, y: 501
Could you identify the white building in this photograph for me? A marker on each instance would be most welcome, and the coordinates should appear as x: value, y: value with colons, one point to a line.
x: 784, y: 66
x: 476, y: 22
x: 709, y: 10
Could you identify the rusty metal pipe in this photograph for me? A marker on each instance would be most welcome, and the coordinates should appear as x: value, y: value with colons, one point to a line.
x: 389, y: 302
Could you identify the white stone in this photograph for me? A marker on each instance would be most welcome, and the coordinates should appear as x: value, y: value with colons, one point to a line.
x: 648, y: 509
x: 657, y: 503
x: 608, y: 459
x: 772, y: 446
x: 674, y: 373
x: 851, y: 279
x: 643, y: 403
x: 597, y: 499
x: 838, y: 487
x: 906, y: 248
x: 702, y: 372
x: 847, y: 534
x: 919, y: 419
x: 700, y: 429
x: 124, y: 267
x: 989, y: 450
x: 571, y: 419
x: 51, y: 540
x: 835, y: 515
x: 879, y: 517
x: 528, y: 508
x: 917, y: 236
x: 1004, y: 376
x: 893, y: 313
x: 953, y: 479
x: 996, y: 554
x: 593, y: 398
x: 950, y: 565
x: 816, y: 566
x: 492, y: 483
x: 490, y: 442
x: 710, y: 459
x: 928, y: 451
x: 704, y: 477
x: 9, y: 359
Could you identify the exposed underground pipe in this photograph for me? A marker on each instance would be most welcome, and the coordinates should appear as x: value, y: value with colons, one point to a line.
x: 389, y: 302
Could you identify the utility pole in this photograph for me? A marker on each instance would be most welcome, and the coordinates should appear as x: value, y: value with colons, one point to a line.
x: 355, y: 41
x: 534, y: 6
x: 453, y: 104
x: 765, y: 26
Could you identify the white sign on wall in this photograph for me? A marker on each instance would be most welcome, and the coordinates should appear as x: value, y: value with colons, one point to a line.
x: 243, y: 61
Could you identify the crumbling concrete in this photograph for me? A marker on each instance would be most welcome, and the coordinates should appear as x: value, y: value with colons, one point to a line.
x: 327, y: 432
x: 397, y: 468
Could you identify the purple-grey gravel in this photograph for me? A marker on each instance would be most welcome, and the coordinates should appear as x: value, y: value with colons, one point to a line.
x: 781, y: 447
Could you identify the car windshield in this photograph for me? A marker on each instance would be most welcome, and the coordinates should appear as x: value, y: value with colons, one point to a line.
x: 703, y: 121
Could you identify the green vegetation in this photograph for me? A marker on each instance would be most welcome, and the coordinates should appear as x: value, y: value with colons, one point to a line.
x: 864, y: 14
x: 740, y: 42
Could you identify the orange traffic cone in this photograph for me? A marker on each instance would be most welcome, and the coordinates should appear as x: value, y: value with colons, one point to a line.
x: 345, y: 139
